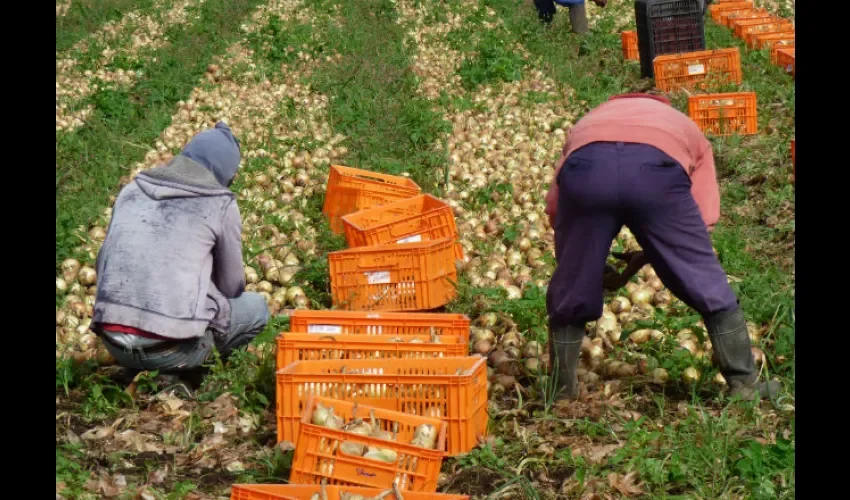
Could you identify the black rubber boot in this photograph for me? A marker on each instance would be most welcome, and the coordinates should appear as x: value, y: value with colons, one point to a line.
x: 545, y: 10
x: 578, y: 19
x: 732, y: 350
x: 564, y: 353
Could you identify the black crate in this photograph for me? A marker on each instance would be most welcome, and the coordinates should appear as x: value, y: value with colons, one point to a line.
x: 668, y: 27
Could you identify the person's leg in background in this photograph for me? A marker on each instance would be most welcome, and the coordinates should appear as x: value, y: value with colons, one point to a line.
x: 545, y: 10
x: 585, y: 225
x: 249, y: 315
x: 578, y: 18
x: 666, y: 221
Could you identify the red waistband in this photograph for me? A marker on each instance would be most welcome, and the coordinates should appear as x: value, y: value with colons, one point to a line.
x: 132, y: 331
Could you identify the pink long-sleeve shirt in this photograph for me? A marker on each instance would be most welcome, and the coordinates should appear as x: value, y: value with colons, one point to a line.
x: 647, y: 121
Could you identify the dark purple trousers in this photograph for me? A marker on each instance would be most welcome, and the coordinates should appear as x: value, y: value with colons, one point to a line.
x: 605, y: 185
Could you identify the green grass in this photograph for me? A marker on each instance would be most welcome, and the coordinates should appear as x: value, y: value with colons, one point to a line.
x: 92, y: 159
x: 373, y: 96
x: 87, y: 16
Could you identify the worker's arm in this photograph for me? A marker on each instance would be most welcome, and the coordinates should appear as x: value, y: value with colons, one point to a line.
x: 228, y: 270
x: 704, y: 186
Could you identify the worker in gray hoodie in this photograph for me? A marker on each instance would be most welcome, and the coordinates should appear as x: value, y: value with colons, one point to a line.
x: 170, y: 275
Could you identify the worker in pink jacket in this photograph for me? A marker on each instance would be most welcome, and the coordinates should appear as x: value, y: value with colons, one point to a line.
x: 636, y: 160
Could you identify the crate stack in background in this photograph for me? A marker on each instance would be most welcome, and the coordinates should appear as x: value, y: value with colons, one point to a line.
x: 359, y: 386
x: 759, y: 29
x: 670, y: 41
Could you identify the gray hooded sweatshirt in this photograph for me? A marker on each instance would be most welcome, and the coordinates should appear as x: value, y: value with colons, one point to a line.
x: 173, y: 252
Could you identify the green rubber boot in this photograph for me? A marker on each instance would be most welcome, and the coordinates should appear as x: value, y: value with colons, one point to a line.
x: 564, y: 353
x: 732, y: 350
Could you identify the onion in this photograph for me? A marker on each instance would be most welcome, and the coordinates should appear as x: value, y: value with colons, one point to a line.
x: 514, y: 292
x: 97, y: 233
x: 660, y: 376
x: 690, y: 375
x: 483, y: 334
x: 496, y: 390
x: 591, y: 378
x: 104, y: 358
x: 640, y: 336
x: 61, y: 286
x: 482, y: 347
x: 532, y: 366
x: 689, y: 345
x: 383, y: 455
x: 758, y: 355
x: 642, y: 311
x: 655, y: 284
x: 606, y: 324
x: 619, y: 305
x: 507, y: 381
x: 497, y: 357
x: 531, y: 350
x: 425, y: 436
x: 597, y: 352
x: 294, y: 292
x: 627, y: 370
x: 70, y: 268
x: 265, y: 286
x: 355, y: 449
x: 487, y: 320
x: 686, y: 334
x: 719, y: 379
x: 87, y: 276
x: 641, y: 295
x: 511, y: 339
x: 320, y: 415
x: 251, y: 275
x: 513, y: 352
x: 662, y: 298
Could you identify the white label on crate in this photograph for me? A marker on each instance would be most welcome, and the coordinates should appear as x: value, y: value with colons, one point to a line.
x: 378, y: 277
x: 416, y: 238
x: 696, y: 69
x: 324, y: 329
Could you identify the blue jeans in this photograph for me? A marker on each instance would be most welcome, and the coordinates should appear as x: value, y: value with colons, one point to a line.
x: 249, y: 315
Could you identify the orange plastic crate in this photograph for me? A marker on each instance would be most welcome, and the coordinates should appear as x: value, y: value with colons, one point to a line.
x: 353, y: 189
x: 292, y: 347
x: 429, y: 387
x: 725, y: 114
x: 750, y: 36
x: 379, y: 323
x: 697, y: 69
x: 394, y: 277
x: 730, y: 18
x: 785, y: 59
x: 421, y: 218
x: 318, y: 455
x: 718, y: 7
x: 766, y: 41
x: 775, y: 48
x: 765, y: 25
x: 305, y: 492
x: 630, y: 46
